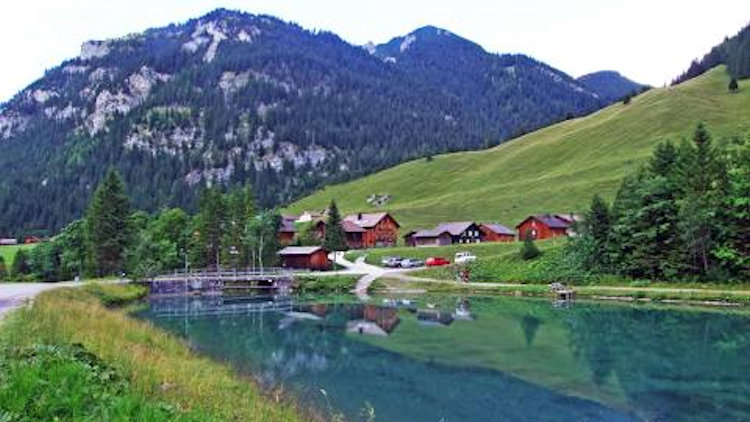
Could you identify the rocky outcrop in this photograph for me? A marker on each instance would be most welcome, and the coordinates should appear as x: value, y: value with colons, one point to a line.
x: 94, y: 49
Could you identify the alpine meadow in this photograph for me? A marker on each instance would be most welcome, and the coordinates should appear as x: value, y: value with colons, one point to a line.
x: 555, y: 169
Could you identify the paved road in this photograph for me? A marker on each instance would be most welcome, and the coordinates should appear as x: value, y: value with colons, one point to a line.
x: 370, y: 273
x: 13, y: 295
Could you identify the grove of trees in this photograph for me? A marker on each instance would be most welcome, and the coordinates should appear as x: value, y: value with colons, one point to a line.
x: 112, y: 239
x: 684, y: 216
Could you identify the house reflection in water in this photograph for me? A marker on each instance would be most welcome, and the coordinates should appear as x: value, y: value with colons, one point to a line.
x: 434, y: 317
x: 376, y: 321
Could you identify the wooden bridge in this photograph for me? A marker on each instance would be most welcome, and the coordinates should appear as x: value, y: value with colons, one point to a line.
x: 219, y: 281
x: 192, y: 306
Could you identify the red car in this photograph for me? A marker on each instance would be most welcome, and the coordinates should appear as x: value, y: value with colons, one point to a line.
x: 436, y: 261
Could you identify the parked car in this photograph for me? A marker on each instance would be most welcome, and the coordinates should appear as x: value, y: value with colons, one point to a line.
x: 436, y: 261
x: 411, y: 263
x: 391, y: 261
x: 464, y: 257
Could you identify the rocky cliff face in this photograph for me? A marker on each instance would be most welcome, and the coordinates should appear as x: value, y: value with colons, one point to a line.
x: 233, y: 98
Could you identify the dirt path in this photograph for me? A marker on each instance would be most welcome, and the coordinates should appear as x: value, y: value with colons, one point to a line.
x: 13, y: 295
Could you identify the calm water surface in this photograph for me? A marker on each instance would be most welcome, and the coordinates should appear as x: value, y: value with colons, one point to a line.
x: 461, y: 359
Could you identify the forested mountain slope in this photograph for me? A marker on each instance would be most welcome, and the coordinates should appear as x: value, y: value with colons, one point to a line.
x: 233, y: 98
x: 555, y: 169
x: 610, y: 85
x: 733, y: 52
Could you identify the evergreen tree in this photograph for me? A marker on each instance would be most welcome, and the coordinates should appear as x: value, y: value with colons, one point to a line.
x: 212, y: 219
x: 108, y: 225
x: 529, y: 250
x: 733, y: 85
x: 698, y: 207
x: 241, y: 208
x: 597, y: 225
x: 335, y: 238
x: 733, y: 251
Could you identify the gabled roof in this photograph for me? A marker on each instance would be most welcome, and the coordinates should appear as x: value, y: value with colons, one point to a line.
x: 498, y: 229
x: 551, y: 220
x: 367, y: 220
x: 454, y: 229
x: 350, y: 227
x: 300, y: 250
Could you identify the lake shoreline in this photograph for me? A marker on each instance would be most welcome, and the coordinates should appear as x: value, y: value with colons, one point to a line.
x: 674, y: 296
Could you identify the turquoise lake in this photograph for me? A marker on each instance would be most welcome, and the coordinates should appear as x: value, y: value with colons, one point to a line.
x: 460, y: 359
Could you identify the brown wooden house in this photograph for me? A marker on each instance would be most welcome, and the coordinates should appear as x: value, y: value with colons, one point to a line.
x: 448, y: 234
x: 305, y: 257
x: 287, y: 233
x: 493, y: 232
x: 380, y: 229
x: 546, y: 226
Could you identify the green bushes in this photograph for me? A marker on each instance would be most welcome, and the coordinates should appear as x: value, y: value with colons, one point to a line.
x: 326, y: 284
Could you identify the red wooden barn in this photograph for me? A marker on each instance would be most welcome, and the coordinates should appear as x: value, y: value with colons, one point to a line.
x: 305, y: 257
x: 545, y: 226
x: 493, y: 232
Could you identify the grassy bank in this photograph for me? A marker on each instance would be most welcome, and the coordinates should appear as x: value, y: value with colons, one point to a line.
x: 71, y: 357
x: 325, y: 284
x: 708, y: 295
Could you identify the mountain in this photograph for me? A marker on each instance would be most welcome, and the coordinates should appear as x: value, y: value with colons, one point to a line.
x: 733, y: 52
x: 555, y: 169
x: 232, y: 98
x: 610, y: 85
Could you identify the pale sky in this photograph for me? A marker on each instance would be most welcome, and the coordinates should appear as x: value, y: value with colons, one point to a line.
x: 650, y: 41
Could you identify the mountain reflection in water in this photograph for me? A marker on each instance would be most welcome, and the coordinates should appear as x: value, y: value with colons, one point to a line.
x: 479, y: 359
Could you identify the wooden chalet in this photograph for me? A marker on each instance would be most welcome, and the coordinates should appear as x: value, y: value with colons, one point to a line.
x: 287, y: 230
x: 546, y: 226
x: 305, y: 257
x: 380, y: 229
x: 447, y: 234
x: 494, y: 232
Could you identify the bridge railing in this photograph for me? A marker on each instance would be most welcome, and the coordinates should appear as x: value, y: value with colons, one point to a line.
x: 226, y: 273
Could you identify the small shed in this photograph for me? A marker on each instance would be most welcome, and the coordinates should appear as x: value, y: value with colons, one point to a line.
x: 305, y: 257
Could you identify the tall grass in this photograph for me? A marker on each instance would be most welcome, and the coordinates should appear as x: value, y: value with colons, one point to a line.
x: 157, y: 365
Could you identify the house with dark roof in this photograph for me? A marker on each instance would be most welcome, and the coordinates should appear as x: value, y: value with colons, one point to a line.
x: 495, y: 232
x: 447, y: 234
x: 546, y: 226
x: 305, y: 257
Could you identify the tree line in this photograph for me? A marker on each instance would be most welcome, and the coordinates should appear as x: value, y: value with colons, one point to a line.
x: 683, y: 216
x: 113, y: 238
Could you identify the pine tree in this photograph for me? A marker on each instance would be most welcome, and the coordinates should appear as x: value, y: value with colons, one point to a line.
x: 107, y: 225
x: 733, y: 85
x: 698, y: 207
x: 212, y: 219
x: 335, y: 238
x: 598, y: 224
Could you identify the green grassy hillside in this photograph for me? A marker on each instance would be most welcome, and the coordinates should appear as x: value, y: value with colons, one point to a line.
x: 9, y: 252
x: 555, y: 169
